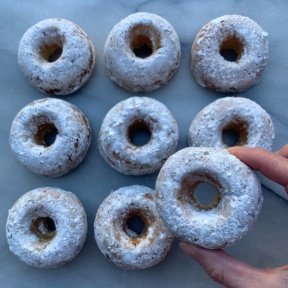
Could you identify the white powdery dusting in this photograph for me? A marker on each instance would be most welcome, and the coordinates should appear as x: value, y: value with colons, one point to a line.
x: 206, y: 128
x: 70, y: 146
x: 239, y: 207
x: 71, y: 70
x: 211, y: 70
x: 69, y: 216
x: 128, y: 252
x: 135, y: 73
x: 123, y: 155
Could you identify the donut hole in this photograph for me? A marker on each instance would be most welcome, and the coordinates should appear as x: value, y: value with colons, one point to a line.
x: 205, y: 196
x: 201, y: 191
x: 235, y: 133
x: 144, y: 40
x: 51, y: 52
x: 44, y: 228
x: 142, y: 46
x: 231, y: 49
x: 46, y: 134
x: 139, y: 133
x: 135, y: 225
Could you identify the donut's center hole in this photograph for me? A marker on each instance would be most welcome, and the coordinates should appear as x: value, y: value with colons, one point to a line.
x: 201, y: 191
x: 46, y: 134
x: 43, y: 227
x: 205, y: 196
x: 235, y: 133
x: 231, y: 49
x: 51, y: 52
x: 142, y: 46
x: 144, y: 40
x: 135, y: 225
x: 139, y: 133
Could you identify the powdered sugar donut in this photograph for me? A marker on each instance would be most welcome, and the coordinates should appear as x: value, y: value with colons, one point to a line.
x: 56, y: 56
x: 50, y: 137
x: 142, y: 52
x: 250, y: 122
x: 236, y: 205
x: 138, y: 114
x: 46, y: 227
x: 127, y: 246
x: 229, y: 54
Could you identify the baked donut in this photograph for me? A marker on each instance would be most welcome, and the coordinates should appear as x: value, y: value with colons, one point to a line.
x: 56, y: 56
x: 46, y: 227
x: 229, y: 54
x: 142, y: 52
x: 50, y: 137
x: 132, y: 116
x: 236, y: 205
x: 132, y: 247
x: 251, y: 125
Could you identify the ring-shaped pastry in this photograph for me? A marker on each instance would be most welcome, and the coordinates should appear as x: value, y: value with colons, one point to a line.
x: 243, y: 119
x: 229, y: 54
x: 46, y: 227
x: 50, y: 137
x: 232, y: 213
x: 142, y: 52
x: 138, y: 114
x: 128, y: 230
x: 56, y: 56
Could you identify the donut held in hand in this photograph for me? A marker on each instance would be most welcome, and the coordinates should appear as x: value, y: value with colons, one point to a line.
x: 225, y: 220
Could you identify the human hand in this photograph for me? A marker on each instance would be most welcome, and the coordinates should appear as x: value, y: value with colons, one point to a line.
x: 225, y: 269
x: 271, y: 165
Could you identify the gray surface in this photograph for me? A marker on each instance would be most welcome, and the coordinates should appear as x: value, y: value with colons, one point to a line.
x: 265, y: 246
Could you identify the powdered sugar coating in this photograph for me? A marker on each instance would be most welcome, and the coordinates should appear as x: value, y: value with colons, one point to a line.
x: 136, y: 73
x: 123, y: 249
x: 207, y: 127
x: 71, y: 70
x: 123, y: 155
x: 69, y: 216
x: 240, y: 204
x: 70, y: 146
x: 211, y: 70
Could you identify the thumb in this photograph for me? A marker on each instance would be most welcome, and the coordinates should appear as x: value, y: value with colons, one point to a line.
x: 225, y: 269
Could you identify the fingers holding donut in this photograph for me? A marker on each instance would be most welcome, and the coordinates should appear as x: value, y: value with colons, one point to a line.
x: 271, y: 165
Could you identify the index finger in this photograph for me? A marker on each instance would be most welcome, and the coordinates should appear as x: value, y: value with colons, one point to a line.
x: 271, y: 165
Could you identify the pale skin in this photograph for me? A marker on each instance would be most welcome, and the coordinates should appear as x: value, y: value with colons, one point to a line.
x: 223, y: 268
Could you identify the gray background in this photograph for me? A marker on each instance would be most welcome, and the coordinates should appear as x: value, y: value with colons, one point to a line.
x: 264, y: 246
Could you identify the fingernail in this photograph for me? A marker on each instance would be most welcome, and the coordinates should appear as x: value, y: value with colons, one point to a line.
x: 231, y: 150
